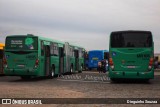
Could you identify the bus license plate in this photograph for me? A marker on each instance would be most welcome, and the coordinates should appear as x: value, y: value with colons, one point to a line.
x: 95, y: 58
x: 20, y: 65
x: 131, y: 67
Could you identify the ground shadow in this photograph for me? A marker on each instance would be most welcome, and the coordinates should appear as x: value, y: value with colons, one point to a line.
x: 131, y: 81
x: 34, y: 79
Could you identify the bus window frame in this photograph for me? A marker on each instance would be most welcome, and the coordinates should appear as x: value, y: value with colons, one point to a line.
x: 42, y: 48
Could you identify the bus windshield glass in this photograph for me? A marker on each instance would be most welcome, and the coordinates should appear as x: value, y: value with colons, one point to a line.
x: 131, y: 40
x: 21, y: 43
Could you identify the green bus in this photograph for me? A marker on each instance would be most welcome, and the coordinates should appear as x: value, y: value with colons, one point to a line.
x: 33, y: 56
x: 74, y: 58
x: 131, y: 55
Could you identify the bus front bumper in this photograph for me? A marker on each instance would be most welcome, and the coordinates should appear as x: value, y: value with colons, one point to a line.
x: 131, y: 75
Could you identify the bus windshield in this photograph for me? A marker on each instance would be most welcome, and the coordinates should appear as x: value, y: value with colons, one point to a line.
x: 21, y: 43
x: 131, y: 40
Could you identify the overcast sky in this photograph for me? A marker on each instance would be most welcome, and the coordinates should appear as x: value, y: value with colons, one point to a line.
x: 84, y: 22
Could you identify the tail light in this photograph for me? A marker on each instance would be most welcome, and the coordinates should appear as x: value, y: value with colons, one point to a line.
x: 150, y: 63
x: 111, y: 63
x: 36, y: 63
x: 5, y: 62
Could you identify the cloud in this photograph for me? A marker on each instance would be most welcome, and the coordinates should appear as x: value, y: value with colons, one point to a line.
x: 86, y: 22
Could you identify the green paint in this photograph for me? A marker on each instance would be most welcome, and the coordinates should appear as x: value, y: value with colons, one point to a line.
x: 28, y: 41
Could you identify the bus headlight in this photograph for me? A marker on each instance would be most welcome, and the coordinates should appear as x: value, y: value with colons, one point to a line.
x: 36, y: 63
x: 112, y: 67
x: 150, y: 63
x: 111, y: 63
x: 5, y: 63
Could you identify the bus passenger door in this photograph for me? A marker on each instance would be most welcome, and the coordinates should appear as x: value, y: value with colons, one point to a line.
x: 76, y: 54
x: 47, y: 59
x: 61, y: 60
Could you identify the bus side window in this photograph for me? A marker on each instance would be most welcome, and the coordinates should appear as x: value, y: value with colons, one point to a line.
x: 64, y: 51
x: 56, y: 50
x: 42, y: 48
x: 71, y: 51
x: 80, y: 53
x: 61, y: 52
x: 76, y: 53
x: 52, y: 49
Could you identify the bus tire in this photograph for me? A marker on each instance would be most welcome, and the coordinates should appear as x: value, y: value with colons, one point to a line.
x: 113, y: 80
x: 71, y: 70
x: 52, y: 73
x: 25, y: 77
x: 146, y: 80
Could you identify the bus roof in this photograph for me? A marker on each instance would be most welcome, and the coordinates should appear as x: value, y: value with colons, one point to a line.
x: 98, y: 51
x: 131, y: 31
x: 76, y: 46
x: 60, y: 43
x: 40, y: 37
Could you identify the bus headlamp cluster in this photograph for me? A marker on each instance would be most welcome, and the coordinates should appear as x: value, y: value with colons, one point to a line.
x: 112, y: 67
x: 5, y: 63
x: 36, y: 63
x: 111, y: 63
x: 150, y: 63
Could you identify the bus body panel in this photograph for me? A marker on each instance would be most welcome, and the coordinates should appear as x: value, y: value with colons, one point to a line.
x: 131, y: 74
x: 55, y: 61
x: 81, y: 62
x: 132, y: 61
x: 22, y: 62
x: 21, y: 54
x: 29, y: 55
x: 94, y: 57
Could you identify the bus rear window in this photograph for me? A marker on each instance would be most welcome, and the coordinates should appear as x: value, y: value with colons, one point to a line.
x: 21, y: 43
x: 131, y: 39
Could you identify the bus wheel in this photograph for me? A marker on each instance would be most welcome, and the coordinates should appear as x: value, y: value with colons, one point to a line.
x: 146, y: 80
x: 25, y: 77
x: 52, y: 73
x: 90, y: 69
x: 113, y: 80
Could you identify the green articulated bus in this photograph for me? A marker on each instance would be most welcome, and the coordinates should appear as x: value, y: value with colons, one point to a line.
x: 33, y: 56
x: 131, y: 55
